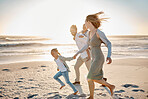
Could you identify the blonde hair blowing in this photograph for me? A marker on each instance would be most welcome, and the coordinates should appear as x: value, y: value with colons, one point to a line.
x: 95, y: 19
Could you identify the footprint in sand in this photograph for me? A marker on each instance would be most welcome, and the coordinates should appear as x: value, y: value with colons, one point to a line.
x: 120, y: 91
x: 31, y: 96
x: 1, y: 96
x: 30, y: 80
x: 1, y: 88
x: 57, y: 96
x: 21, y: 78
x: 24, y: 68
x: 136, y: 90
x: 16, y: 98
x: 8, y: 81
x: 100, y: 89
x: 51, y: 93
x: 19, y: 81
x: 130, y: 85
x: 101, y: 94
x: 5, y: 70
x: 43, y: 66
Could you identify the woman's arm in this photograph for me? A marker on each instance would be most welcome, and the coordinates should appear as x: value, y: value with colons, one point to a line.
x: 108, y: 44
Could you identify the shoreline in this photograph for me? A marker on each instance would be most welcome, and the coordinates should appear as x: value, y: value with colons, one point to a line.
x: 36, y: 58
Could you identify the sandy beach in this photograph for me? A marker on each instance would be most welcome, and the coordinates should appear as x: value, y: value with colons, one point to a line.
x: 35, y: 80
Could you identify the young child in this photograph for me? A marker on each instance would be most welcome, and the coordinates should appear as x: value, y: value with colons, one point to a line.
x: 63, y: 69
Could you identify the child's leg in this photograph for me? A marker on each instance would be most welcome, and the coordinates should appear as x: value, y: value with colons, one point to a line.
x: 56, y: 77
x: 66, y: 76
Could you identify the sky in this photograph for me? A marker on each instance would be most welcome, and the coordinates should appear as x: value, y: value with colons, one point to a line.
x: 53, y: 18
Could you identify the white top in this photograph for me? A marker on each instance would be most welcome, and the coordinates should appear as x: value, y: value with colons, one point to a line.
x: 103, y: 38
x: 61, y: 65
x: 81, y: 42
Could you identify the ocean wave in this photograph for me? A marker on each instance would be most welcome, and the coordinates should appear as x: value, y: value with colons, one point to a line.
x: 22, y: 44
x: 21, y: 38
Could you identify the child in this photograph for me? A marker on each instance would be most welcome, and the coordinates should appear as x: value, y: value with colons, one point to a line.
x: 64, y: 69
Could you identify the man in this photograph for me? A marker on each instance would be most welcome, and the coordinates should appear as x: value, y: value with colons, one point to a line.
x: 80, y: 39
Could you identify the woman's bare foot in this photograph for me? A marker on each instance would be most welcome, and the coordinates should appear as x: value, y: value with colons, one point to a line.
x: 75, y: 93
x: 112, y: 87
x: 62, y: 87
x: 90, y: 97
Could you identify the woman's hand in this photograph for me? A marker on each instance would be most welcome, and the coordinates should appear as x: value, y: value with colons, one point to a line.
x: 109, y: 60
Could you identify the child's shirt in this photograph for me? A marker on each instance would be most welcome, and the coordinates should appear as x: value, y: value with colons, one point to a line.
x: 61, y: 66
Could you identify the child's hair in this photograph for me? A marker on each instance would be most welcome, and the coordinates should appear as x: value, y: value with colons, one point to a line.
x: 74, y: 26
x: 55, y: 50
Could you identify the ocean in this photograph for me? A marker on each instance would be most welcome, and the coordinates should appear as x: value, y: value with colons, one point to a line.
x: 29, y: 48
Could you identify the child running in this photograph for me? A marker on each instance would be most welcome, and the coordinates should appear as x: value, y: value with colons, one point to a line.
x: 63, y: 69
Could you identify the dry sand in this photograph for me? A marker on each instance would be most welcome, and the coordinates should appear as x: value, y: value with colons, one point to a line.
x: 35, y: 80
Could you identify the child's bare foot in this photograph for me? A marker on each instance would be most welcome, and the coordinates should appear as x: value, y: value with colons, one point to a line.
x: 62, y: 87
x: 75, y: 93
x: 112, y: 87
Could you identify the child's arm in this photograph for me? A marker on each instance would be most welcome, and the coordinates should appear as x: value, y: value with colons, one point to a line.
x: 66, y: 58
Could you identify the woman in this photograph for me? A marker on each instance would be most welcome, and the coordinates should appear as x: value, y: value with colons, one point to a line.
x: 94, y: 40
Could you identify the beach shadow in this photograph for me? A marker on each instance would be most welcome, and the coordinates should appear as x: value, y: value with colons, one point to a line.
x: 5, y: 70
x: 24, y: 68
x: 130, y: 85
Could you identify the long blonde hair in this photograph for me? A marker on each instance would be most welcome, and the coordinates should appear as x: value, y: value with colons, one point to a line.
x: 55, y: 50
x: 95, y: 19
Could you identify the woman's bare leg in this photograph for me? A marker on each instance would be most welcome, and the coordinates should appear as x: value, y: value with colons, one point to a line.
x: 91, y: 88
x: 103, y: 82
